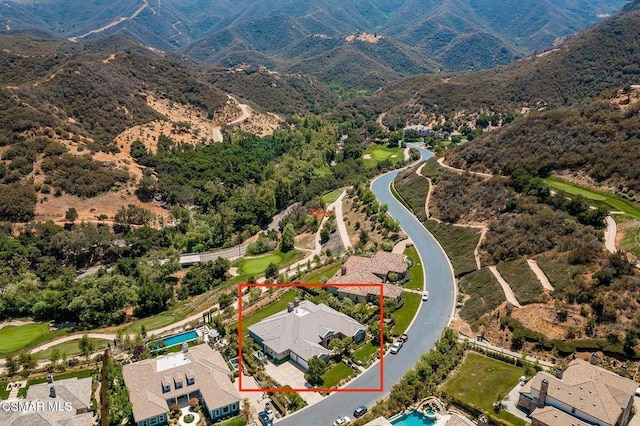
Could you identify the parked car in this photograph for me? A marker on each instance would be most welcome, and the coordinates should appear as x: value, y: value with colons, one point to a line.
x: 360, y: 411
x: 264, y: 419
x: 425, y: 296
x: 395, y: 348
x: 342, y: 421
x: 267, y: 408
x: 403, y: 337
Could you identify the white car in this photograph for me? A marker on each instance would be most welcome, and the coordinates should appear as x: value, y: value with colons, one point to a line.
x: 342, y: 421
x: 395, y: 348
x: 425, y: 296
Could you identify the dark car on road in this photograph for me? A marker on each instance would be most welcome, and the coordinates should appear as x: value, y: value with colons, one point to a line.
x: 360, y: 411
x: 264, y: 419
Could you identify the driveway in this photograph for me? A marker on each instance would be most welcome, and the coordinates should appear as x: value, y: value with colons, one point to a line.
x: 292, y: 375
x: 432, y: 317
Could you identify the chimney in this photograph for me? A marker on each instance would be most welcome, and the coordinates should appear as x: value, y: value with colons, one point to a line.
x: 594, y: 358
x: 296, y: 302
x: 289, y: 306
x: 559, y: 373
x: 52, y: 392
x: 185, y: 347
x: 343, y: 270
x: 544, y: 388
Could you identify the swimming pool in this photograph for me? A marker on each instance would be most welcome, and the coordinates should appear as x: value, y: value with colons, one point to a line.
x: 413, y: 419
x: 176, y: 339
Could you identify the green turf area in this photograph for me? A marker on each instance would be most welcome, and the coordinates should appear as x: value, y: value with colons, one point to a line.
x: 153, y: 323
x: 236, y: 421
x: 380, y: 153
x: 405, y: 314
x: 481, y: 380
x: 275, y: 307
x: 458, y: 242
x: 331, y: 197
x: 416, y: 274
x: 71, y: 348
x: 257, y: 265
x: 321, y: 274
x: 335, y: 374
x: 598, y: 198
x: 413, y: 190
x: 365, y: 352
x: 558, y: 271
x: 14, y: 338
x: 522, y: 280
x: 485, y: 295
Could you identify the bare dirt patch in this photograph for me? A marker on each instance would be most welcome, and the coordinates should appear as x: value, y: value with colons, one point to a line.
x: 306, y: 240
x: 366, y: 37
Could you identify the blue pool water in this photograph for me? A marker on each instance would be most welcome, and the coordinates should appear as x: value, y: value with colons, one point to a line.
x: 179, y: 338
x: 413, y: 419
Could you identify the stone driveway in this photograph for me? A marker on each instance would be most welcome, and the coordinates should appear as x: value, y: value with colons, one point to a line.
x: 290, y: 374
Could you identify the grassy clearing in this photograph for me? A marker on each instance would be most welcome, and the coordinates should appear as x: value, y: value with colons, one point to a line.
x: 321, y: 274
x: 598, y: 198
x: 365, y: 352
x: 257, y: 265
x: 485, y: 295
x: 522, y: 280
x: 405, y: 314
x: 557, y: 270
x: 71, y: 348
x: 331, y: 197
x: 413, y: 189
x: 492, y: 380
x: 416, y: 274
x: 335, y: 374
x: 153, y: 323
x: 380, y: 153
x: 15, y: 338
x: 458, y: 242
x: 275, y: 307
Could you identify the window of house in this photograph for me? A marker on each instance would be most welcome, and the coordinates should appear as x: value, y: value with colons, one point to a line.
x: 153, y: 421
x: 190, y: 381
x: 165, y: 388
x: 225, y: 409
x: 217, y: 412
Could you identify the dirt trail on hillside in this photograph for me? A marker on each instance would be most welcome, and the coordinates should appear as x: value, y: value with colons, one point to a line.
x: 506, y: 288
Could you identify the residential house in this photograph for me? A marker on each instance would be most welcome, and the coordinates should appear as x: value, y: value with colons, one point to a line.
x: 60, y: 403
x: 303, y: 331
x: 199, y: 372
x: 370, y: 270
x: 584, y: 394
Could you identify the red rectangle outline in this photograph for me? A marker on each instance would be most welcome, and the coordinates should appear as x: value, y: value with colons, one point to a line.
x: 273, y: 390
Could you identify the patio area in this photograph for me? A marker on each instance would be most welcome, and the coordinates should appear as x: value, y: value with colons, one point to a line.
x: 186, y: 411
x: 291, y: 374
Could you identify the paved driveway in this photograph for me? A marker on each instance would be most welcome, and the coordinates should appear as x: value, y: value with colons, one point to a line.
x: 292, y: 375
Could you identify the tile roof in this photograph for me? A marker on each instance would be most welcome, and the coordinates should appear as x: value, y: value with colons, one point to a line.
x: 145, y: 380
x: 553, y: 416
x: 302, y: 329
x: 597, y: 392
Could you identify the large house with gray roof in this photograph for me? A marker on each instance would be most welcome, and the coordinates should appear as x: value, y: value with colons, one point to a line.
x: 60, y: 403
x: 583, y: 395
x: 303, y: 331
x: 199, y: 372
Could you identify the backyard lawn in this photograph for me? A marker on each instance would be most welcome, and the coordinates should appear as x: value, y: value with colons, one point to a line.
x: 405, y: 314
x: 491, y: 380
x: 379, y: 153
x: 332, y: 378
x: 277, y: 306
x: 14, y: 338
x: 416, y: 274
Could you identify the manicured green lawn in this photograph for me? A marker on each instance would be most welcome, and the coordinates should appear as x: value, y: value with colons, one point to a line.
x: 257, y: 265
x: 335, y: 374
x: 315, y: 277
x: 380, y: 152
x: 522, y: 280
x: 236, y: 421
x: 275, y: 307
x: 598, y: 198
x: 152, y: 323
x: 405, y: 314
x: 481, y: 380
x: 365, y: 352
x: 14, y: 338
x: 416, y: 274
x: 331, y: 197
x: 71, y: 348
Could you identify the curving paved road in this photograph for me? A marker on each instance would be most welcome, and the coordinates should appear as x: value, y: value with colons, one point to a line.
x: 433, y: 316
